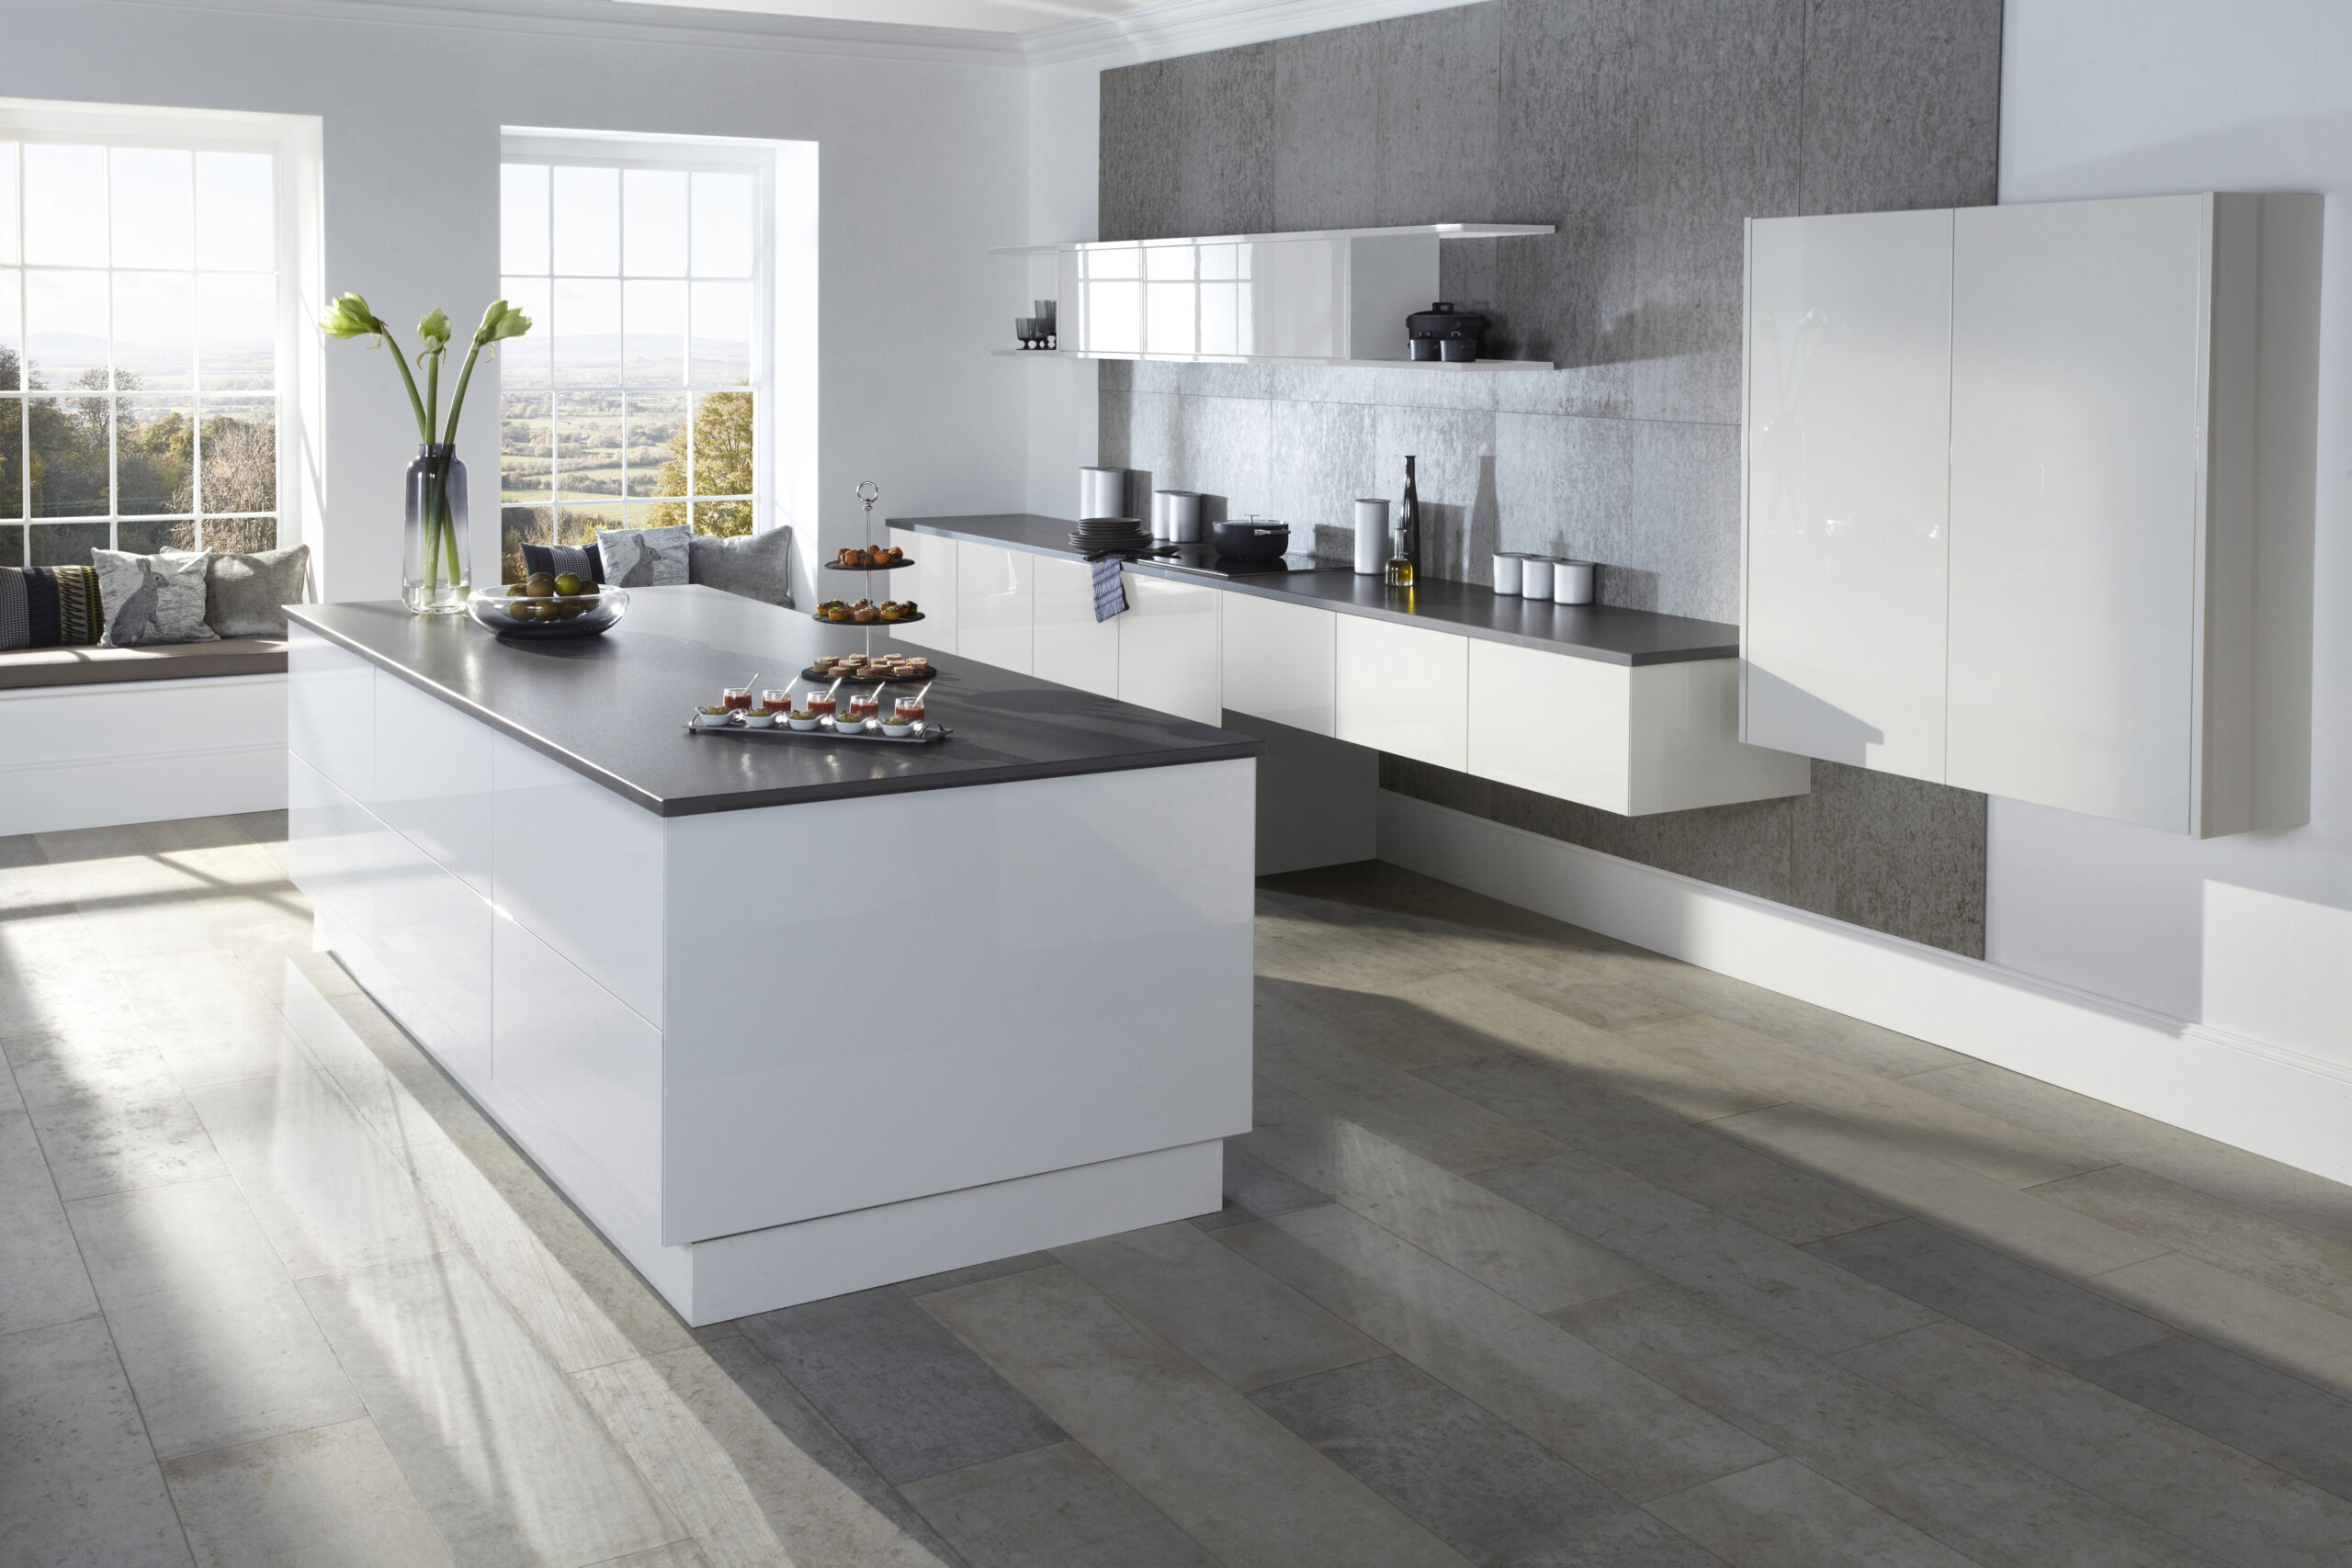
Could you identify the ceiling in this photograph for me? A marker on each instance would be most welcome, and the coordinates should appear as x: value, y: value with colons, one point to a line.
x: 986, y: 16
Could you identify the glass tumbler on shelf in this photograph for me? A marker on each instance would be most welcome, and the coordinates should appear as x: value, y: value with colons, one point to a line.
x: 436, y: 557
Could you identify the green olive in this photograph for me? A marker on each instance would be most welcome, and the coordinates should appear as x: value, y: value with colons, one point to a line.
x: 571, y: 583
x: 542, y: 585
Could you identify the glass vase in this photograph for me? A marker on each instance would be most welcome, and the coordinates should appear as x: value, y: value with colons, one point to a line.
x: 436, y: 557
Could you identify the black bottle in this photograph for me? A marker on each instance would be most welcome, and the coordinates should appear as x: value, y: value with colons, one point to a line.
x: 1405, y: 557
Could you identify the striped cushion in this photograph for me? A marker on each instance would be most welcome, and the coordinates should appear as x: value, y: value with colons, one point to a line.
x: 16, y: 624
x: 62, y: 606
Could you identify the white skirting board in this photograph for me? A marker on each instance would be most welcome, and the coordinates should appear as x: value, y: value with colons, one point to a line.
x: 2273, y: 1102
x: 101, y: 755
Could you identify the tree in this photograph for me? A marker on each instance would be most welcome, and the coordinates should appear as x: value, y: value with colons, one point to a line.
x: 722, y: 464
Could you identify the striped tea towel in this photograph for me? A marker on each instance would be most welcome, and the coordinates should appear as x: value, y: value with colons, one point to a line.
x: 1110, y: 594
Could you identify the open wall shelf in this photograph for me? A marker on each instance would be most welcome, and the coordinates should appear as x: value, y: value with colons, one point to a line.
x: 1279, y: 359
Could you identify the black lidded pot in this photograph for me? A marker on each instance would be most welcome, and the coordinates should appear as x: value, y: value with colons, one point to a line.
x: 1443, y: 333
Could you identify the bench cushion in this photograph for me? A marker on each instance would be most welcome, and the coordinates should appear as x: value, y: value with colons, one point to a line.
x: 169, y: 661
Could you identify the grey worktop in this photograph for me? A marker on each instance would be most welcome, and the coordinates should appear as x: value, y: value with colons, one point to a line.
x: 1604, y: 632
x: 613, y: 708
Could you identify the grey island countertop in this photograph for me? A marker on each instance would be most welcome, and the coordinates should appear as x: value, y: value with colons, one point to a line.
x: 613, y: 708
x: 1604, y: 632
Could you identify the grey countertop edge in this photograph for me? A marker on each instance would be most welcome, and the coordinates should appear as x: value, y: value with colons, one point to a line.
x: 1262, y: 589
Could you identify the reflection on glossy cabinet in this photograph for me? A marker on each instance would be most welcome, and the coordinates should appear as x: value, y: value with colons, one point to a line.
x: 994, y: 593
x: 1168, y: 648
x: 1402, y: 689
x: 930, y: 583
x: 1279, y: 662
x: 1068, y: 644
x: 434, y: 779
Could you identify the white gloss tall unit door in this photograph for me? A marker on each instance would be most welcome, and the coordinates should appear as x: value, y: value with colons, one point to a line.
x: 2104, y: 605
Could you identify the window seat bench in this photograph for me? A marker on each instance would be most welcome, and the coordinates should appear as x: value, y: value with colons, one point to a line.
x: 97, y: 737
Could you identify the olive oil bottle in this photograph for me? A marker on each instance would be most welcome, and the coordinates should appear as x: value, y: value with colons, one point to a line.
x: 1405, y: 555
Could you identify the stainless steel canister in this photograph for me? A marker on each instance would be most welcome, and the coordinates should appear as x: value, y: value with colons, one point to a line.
x: 1371, y: 538
x: 1182, y: 508
x: 1102, y: 492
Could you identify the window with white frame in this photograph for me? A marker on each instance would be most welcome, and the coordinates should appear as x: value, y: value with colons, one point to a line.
x: 641, y: 398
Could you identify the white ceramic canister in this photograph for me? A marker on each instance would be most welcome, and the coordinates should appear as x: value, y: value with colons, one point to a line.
x: 1371, y: 538
x: 1535, y: 577
x: 1572, y: 581
x: 1159, y: 514
x: 1509, y: 573
x: 1183, y: 512
x: 1101, y: 492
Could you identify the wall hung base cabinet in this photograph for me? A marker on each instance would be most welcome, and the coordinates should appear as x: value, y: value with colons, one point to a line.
x: 2029, y: 501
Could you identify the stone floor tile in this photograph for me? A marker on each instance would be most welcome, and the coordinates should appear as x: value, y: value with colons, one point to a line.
x: 1831, y: 1034
x: 952, y: 1277
x: 110, y: 1123
x: 160, y: 1238
x: 497, y: 1443
x: 1051, y: 1507
x: 677, y: 1554
x: 1477, y: 1483
x: 2278, y: 1419
x: 1231, y: 1316
x: 329, y: 1498
x: 1478, y: 1231
x: 210, y: 1021
x: 2037, y: 1312
x: 1255, y: 1190
x: 1783, y: 1515
x: 19, y: 850
x: 1960, y: 1200
x: 1399, y: 1107
x: 687, y: 1467
x: 1743, y: 1271
x: 1398, y: 1032
x: 1218, y: 1468
x: 2240, y: 1314
x: 42, y: 1281
x: 1582, y: 992
x: 220, y: 1361
x: 78, y: 1483
x: 1756, y: 1190
x: 912, y: 1398
x: 1984, y: 1503
x: 2318, y: 1268
x: 1615, y: 1423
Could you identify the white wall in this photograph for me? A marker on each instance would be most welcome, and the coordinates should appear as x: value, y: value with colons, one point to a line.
x: 1065, y: 161
x: 922, y: 166
x: 2248, y: 934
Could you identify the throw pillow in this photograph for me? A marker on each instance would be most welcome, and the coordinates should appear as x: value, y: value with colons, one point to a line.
x: 153, y: 599
x: 15, y: 622
x: 645, y: 558
x: 61, y: 607
x: 246, y: 596
x: 582, y: 560
x: 757, y: 566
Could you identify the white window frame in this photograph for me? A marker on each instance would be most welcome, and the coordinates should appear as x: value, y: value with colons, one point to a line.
x: 294, y: 141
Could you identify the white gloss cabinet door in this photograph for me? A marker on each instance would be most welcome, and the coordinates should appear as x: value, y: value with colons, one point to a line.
x: 1405, y: 690
x: 994, y: 593
x: 930, y: 583
x: 2079, y: 431
x: 433, y: 778
x: 1068, y: 644
x: 1280, y: 662
x: 1849, y: 418
x: 1168, y: 648
x: 1553, y: 724
x: 331, y: 712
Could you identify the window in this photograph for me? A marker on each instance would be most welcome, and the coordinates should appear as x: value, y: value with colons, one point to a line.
x: 642, y: 396
x: 141, y: 327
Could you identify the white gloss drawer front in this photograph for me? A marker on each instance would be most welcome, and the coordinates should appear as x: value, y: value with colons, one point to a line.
x: 331, y: 712
x: 1405, y: 690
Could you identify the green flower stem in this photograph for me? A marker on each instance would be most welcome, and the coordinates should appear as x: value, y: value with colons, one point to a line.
x: 457, y: 402
x: 423, y: 425
x: 432, y: 394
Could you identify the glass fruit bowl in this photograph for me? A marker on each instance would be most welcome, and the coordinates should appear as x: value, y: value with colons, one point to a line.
x: 547, y: 620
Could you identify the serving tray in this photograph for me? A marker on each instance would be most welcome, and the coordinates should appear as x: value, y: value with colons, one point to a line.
x: 891, y: 566
x: 812, y: 673
x: 867, y: 625
x: 927, y: 734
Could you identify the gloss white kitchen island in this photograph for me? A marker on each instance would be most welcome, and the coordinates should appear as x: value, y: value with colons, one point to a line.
x: 786, y: 1020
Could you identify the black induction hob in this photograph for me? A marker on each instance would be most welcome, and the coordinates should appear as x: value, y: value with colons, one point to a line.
x: 1205, y: 561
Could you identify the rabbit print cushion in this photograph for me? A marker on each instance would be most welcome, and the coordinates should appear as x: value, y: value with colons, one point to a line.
x: 153, y: 599
x: 645, y: 558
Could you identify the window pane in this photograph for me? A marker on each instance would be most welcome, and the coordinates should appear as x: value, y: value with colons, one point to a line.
x: 12, y: 546
x: 722, y: 443
x: 12, y: 332
x: 653, y: 216
x: 155, y: 455
x: 154, y: 331
x: 578, y: 525
x: 523, y: 361
x: 239, y: 466
x: 152, y: 192
x: 65, y: 211
x: 65, y: 328
x: 7, y: 201
x: 66, y: 543
x: 525, y: 446
x: 236, y: 223
x: 657, y: 444
x: 588, y: 445
x: 236, y: 328
x: 69, y: 457
x: 517, y: 527
x: 241, y: 535
x: 523, y: 217
x: 724, y: 518
x: 587, y: 208
x: 12, y: 460
x: 151, y: 535
x: 587, y: 331
x: 654, y: 351
x: 722, y: 340
x: 722, y: 226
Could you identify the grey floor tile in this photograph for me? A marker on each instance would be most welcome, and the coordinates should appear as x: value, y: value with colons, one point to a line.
x: 912, y: 1398
x: 220, y: 1363
x: 1234, y: 1318
x: 978, y: 1271
x: 1756, y: 1190
x: 1783, y: 1515
x: 2286, y: 1257
x: 1982, y: 1502
x: 1399, y: 1107
x: 2037, y: 1312
x: 2276, y: 1418
x: 1488, y: 1237
x: 1832, y: 1034
x: 2204, y: 1491
x: 1613, y: 1422
x: 78, y: 1481
x: 1583, y: 991
x: 1743, y: 1271
x: 19, y: 850
x: 212, y: 1023
x: 329, y: 1497
x: 1393, y: 1030
x: 1479, y: 1485
x: 109, y: 1120
x: 1221, y: 1469
x: 1051, y: 1507
x: 160, y: 1238
x: 43, y: 1280
x: 1255, y: 1190
x: 2242, y: 1314
x: 677, y: 1554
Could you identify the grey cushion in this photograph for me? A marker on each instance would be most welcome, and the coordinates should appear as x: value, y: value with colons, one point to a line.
x: 246, y: 596
x: 645, y: 558
x: 757, y: 566
x: 171, y: 662
x: 152, y: 599
x: 16, y: 620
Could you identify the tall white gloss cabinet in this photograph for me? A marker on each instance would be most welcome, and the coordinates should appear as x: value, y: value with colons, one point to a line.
x: 2028, y: 500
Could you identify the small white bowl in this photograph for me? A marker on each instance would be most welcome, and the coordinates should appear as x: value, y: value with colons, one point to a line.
x: 810, y: 723
x: 899, y: 732
x: 712, y: 720
x: 759, y: 720
x: 844, y: 725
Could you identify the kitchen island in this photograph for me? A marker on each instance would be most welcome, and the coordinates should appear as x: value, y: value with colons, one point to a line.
x: 787, y: 1018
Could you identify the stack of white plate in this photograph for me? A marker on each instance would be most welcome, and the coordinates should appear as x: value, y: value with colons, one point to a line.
x: 1111, y: 534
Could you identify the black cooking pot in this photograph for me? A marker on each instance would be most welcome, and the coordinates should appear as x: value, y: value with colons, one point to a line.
x: 1250, y: 541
